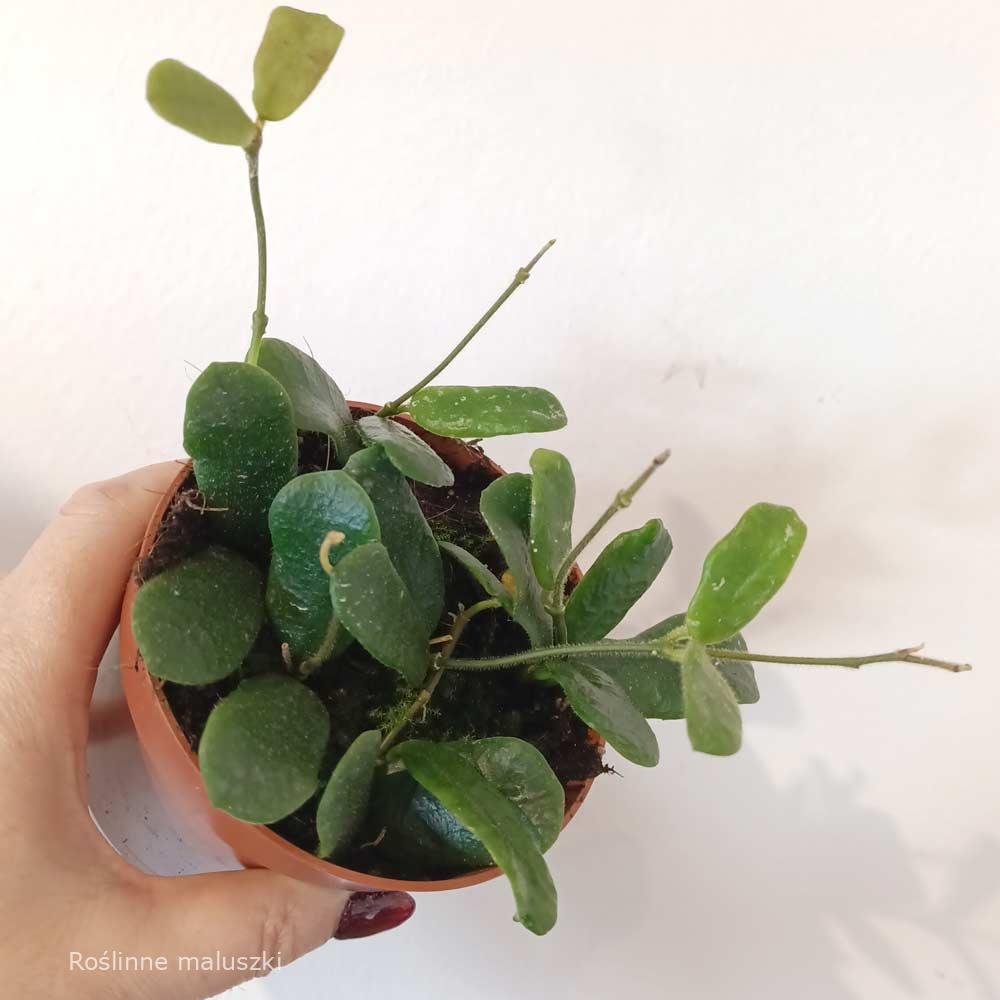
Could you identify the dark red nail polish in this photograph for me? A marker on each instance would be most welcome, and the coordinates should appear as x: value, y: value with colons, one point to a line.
x: 373, y: 912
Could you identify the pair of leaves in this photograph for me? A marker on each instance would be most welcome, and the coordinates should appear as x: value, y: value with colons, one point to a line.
x: 294, y: 53
x: 317, y: 402
x: 478, y: 792
x: 486, y: 410
x: 240, y: 430
x: 262, y: 748
x: 177, y: 622
x: 302, y: 514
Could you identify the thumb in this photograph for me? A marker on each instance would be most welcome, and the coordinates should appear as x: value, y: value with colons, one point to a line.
x: 221, y: 929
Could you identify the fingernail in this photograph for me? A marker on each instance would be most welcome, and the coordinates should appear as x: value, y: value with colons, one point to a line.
x: 373, y: 912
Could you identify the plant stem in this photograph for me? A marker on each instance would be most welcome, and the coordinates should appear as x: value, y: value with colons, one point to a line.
x: 259, y: 320
x: 308, y: 666
x: 519, y: 279
x: 895, y: 656
x: 436, y: 672
x: 557, y: 602
x: 558, y: 652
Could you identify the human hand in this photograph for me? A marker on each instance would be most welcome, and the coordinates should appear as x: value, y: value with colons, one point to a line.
x: 64, y: 889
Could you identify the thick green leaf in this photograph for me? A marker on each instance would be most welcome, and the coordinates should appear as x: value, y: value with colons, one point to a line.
x: 553, y: 495
x: 744, y: 571
x: 501, y: 826
x: 483, y: 575
x: 344, y: 803
x: 506, y: 507
x: 191, y: 101
x: 317, y: 401
x: 621, y: 574
x: 405, y: 532
x: 415, y: 459
x: 239, y: 429
x: 416, y: 829
x: 294, y: 54
x: 298, y: 589
x: 177, y: 622
x: 486, y: 410
x: 604, y: 705
x: 713, y: 717
x: 372, y: 602
x: 262, y: 748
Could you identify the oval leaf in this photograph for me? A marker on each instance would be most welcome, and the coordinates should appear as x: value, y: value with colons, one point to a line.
x: 714, y: 724
x: 602, y: 703
x: 373, y: 604
x: 262, y: 748
x: 486, y: 410
x: 177, y: 624
x: 621, y: 574
x: 482, y: 574
x: 553, y: 495
x: 484, y: 810
x: 417, y: 830
x: 506, y: 507
x: 344, y: 803
x: 744, y: 571
x: 298, y: 589
x: 405, y: 532
x: 239, y: 429
x: 317, y: 401
x: 294, y: 54
x: 194, y: 103
x: 415, y: 459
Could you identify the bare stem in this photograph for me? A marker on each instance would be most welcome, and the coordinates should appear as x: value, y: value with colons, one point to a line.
x: 519, y: 279
x: 623, y: 498
x: 907, y: 655
x: 530, y: 656
x: 436, y: 672
x: 310, y: 665
x: 259, y: 320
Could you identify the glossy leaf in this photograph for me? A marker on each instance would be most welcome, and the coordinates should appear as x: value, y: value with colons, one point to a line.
x: 405, y: 532
x: 372, y: 602
x: 621, y: 574
x: 744, y: 571
x: 484, y: 810
x: 506, y: 507
x: 604, y: 705
x: 194, y: 103
x: 294, y: 54
x: 177, y: 624
x: 415, y: 459
x: 316, y: 399
x: 298, y: 589
x: 713, y: 717
x: 239, y: 429
x: 486, y: 410
x: 482, y: 574
x: 418, y: 830
x: 262, y: 748
x: 553, y: 495
x: 344, y: 802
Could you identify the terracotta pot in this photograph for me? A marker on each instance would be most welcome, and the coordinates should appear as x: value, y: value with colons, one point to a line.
x: 174, y: 767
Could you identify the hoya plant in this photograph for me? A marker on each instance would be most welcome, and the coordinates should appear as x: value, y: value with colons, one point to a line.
x: 401, y: 688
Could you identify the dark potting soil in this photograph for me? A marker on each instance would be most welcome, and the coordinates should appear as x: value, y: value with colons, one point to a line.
x: 361, y: 694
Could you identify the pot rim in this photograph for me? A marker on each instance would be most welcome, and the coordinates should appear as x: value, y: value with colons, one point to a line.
x: 148, y: 706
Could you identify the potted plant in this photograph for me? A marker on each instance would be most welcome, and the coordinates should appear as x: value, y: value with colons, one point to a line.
x: 367, y: 655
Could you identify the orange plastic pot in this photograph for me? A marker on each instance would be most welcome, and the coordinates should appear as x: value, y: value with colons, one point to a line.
x: 174, y: 767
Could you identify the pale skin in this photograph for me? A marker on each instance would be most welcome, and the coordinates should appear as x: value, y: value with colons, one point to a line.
x: 63, y: 887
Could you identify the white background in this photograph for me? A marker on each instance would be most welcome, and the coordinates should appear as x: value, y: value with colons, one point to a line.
x: 778, y: 230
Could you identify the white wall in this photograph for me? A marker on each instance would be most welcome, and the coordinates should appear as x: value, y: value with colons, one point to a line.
x: 778, y: 228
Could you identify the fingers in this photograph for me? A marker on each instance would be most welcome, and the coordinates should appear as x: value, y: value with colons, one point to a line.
x: 64, y: 599
x: 262, y: 918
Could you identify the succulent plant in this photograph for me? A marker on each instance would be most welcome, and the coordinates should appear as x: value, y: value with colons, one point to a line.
x: 341, y: 564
